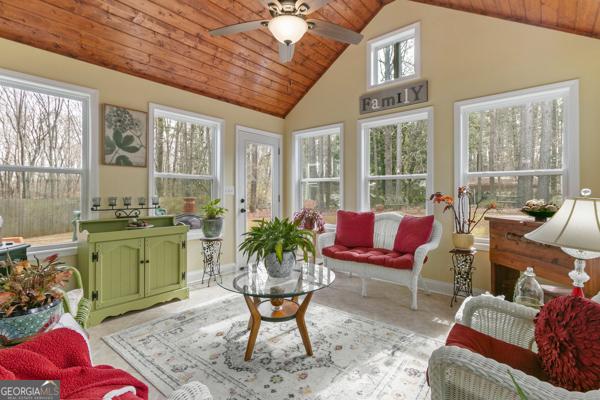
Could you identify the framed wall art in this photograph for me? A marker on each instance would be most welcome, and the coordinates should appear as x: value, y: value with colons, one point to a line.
x: 125, y: 138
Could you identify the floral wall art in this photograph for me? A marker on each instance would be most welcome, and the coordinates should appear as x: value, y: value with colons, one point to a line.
x: 125, y: 136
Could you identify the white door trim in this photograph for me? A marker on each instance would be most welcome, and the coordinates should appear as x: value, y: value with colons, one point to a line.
x: 240, y: 130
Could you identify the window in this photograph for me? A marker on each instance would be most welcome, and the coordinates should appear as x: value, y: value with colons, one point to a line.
x: 518, y: 146
x: 396, y: 162
x: 186, y: 157
x: 317, y: 170
x: 394, y: 57
x: 45, y: 162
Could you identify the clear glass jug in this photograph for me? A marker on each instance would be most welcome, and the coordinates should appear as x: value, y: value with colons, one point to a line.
x: 528, y: 291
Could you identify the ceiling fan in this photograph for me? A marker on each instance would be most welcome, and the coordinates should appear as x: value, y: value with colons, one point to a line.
x: 289, y: 24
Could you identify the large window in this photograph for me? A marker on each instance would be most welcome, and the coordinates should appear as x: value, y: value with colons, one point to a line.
x: 396, y: 162
x: 185, y: 157
x: 318, y: 170
x: 518, y: 146
x: 394, y: 57
x: 44, y: 158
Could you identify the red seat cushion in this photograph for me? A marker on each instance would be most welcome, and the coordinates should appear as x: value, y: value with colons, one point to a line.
x: 369, y: 255
x: 567, y: 332
x: 355, y: 229
x: 412, y: 233
x: 517, y: 357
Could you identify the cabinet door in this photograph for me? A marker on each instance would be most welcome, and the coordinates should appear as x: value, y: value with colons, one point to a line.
x: 164, y: 271
x: 119, y: 271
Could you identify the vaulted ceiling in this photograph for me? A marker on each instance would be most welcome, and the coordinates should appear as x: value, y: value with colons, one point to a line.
x: 167, y: 41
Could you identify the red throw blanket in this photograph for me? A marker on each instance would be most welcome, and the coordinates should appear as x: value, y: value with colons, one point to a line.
x: 62, y: 354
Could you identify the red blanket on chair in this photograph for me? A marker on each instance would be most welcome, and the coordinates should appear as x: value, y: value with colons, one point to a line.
x: 63, y: 354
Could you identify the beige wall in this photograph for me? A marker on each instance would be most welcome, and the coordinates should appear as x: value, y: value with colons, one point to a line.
x: 128, y: 91
x: 463, y: 56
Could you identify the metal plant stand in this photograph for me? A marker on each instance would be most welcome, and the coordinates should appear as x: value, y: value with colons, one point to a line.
x: 462, y: 266
x: 211, y: 252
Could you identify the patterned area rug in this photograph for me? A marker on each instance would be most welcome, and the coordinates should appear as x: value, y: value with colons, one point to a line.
x: 354, y: 357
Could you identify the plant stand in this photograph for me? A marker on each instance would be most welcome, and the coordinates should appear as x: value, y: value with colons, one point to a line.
x: 462, y: 267
x: 211, y: 252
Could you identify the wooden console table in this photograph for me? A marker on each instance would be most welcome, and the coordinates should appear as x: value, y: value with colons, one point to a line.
x: 511, y: 252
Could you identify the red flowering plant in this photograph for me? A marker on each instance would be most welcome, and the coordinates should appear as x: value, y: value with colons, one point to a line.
x: 310, y: 219
x: 30, y: 285
x: 467, y: 212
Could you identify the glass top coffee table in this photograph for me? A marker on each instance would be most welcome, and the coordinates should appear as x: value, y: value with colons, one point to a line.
x: 276, y: 299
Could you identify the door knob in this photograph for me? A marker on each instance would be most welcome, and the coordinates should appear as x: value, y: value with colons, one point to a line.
x: 242, y: 210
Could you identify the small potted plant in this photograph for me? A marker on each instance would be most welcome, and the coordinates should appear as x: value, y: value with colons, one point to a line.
x: 276, y: 243
x: 212, y: 218
x: 467, y: 213
x: 310, y: 219
x: 30, y: 298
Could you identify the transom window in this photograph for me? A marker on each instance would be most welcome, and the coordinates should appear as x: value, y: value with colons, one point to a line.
x: 185, y: 157
x: 394, y: 57
x: 518, y: 146
x: 44, y: 158
x: 318, y: 170
x: 396, y: 162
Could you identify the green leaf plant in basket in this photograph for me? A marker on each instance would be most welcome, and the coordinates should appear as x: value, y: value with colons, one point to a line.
x: 276, y: 243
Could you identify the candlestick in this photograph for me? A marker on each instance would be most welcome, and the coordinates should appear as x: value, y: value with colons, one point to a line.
x: 112, y: 201
x: 141, y: 201
x: 127, y: 201
x: 154, y: 200
x: 96, y: 201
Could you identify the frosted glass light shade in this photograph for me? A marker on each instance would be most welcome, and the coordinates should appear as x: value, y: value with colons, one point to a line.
x: 576, y: 226
x: 288, y: 28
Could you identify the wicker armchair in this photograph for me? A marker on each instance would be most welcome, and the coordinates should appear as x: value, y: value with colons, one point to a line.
x: 191, y: 391
x: 457, y: 373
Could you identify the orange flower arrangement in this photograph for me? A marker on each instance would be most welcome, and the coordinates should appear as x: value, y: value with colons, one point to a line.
x: 466, y: 216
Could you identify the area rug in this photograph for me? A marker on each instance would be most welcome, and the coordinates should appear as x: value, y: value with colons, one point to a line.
x: 354, y: 357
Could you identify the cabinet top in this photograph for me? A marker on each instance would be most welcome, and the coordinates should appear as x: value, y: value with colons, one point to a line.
x: 514, y: 219
x: 120, y: 224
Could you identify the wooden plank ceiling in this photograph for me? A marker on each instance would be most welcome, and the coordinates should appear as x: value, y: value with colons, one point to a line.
x: 581, y: 17
x: 167, y: 41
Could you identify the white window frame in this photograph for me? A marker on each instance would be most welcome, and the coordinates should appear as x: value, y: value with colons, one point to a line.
x: 297, y: 160
x: 570, y: 162
x: 89, y: 145
x: 364, y: 125
x: 217, y: 124
x: 404, y: 33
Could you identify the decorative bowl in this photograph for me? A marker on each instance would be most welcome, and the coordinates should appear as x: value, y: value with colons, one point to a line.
x: 24, y: 326
x: 540, y: 215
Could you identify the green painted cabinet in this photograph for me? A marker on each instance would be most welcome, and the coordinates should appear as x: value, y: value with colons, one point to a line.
x: 126, y: 270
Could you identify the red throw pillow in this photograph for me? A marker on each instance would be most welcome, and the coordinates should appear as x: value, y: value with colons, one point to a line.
x: 567, y: 332
x: 412, y: 233
x: 355, y: 229
x: 515, y: 356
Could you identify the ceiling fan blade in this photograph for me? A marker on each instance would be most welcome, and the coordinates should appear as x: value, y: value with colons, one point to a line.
x: 238, y: 28
x: 286, y: 52
x: 333, y: 31
x: 311, y: 5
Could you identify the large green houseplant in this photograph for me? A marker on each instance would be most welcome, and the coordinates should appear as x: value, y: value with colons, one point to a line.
x: 276, y: 243
x: 212, y: 218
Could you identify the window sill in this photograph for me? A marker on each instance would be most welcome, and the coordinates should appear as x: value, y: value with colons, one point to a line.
x: 196, y: 234
x: 482, y: 244
x: 63, y: 250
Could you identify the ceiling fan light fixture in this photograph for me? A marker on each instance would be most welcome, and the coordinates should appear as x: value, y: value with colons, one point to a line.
x: 288, y: 28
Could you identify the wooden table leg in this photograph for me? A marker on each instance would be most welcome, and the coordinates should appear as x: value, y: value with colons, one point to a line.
x: 256, y: 302
x: 255, y: 325
x: 302, y: 325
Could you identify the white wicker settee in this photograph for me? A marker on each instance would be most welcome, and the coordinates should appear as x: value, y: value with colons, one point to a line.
x: 386, y: 227
x: 457, y: 373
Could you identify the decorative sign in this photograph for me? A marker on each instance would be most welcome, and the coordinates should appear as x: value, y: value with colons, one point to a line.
x: 397, y: 96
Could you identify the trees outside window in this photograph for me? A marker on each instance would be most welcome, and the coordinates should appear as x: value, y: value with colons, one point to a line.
x: 519, y: 146
x: 318, y: 170
x: 397, y: 164
x: 394, y: 57
x: 44, y: 132
x: 185, y: 157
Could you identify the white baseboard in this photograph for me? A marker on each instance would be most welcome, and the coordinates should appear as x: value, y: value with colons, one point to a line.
x: 196, y: 275
x: 443, y: 287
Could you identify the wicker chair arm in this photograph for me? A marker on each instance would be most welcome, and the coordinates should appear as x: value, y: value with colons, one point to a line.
x: 325, y: 240
x: 456, y: 373
x: 424, y: 249
x: 494, y: 316
x: 191, y: 391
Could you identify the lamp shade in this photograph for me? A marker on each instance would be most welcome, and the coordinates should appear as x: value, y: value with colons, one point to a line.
x: 576, y: 225
x: 288, y: 28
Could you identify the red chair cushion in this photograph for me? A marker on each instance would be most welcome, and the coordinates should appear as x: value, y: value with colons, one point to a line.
x: 355, y: 229
x: 517, y: 357
x: 412, y: 233
x: 567, y: 332
x: 381, y: 257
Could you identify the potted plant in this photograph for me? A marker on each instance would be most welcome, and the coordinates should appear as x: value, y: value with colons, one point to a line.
x: 212, y: 218
x: 467, y: 213
x: 310, y: 219
x: 30, y: 298
x: 276, y: 243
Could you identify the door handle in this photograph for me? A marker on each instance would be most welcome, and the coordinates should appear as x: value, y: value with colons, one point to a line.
x: 242, y: 210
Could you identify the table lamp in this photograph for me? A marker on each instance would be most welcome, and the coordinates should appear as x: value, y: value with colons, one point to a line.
x: 575, y: 228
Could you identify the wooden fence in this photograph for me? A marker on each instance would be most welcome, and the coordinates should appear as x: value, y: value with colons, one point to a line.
x: 39, y: 217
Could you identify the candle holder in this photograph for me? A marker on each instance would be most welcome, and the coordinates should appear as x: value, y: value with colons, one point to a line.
x: 127, y: 211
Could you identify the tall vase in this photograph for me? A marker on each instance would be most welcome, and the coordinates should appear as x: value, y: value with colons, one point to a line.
x: 463, y: 241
